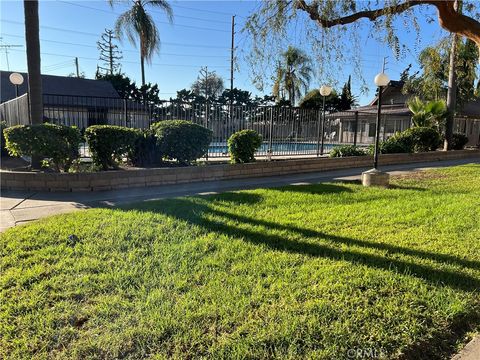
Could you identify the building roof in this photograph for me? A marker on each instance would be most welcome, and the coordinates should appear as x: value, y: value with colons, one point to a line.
x: 392, y: 94
x: 61, y: 85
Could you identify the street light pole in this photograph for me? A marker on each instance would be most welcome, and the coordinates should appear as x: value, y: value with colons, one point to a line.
x: 374, y: 177
x: 325, y: 90
x: 377, y: 129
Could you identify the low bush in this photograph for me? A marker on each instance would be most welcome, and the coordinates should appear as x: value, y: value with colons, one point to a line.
x: 146, y: 151
x: 109, y: 144
x: 57, y: 145
x: 3, y: 126
x: 242, y: 146
x: 181, y: 140
x: 458, y: 141
x: 390, y: 146
x: 419, y: 139
x: 346, y: 150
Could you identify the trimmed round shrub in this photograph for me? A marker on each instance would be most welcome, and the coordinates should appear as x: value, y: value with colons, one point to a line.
x: 390, y: 146
x: 242, y: 146
x: 458, y: 141
x: 3, y: 126
x: 346, y: 150
x: 109, y: 144
x: 181, y: 140
x: 57, y: 143
x: 419, y: 139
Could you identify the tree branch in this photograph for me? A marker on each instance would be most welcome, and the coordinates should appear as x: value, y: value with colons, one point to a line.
x: 449, y: 19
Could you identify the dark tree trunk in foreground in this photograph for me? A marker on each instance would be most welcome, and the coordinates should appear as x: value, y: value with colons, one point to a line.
x: 451, y: 94
x: 32, y: 38
x: 33, y: 61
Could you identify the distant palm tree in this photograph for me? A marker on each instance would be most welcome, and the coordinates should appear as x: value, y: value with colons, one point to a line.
x: 294, y: 73
x: 138, y: 23
x: 431, y: 113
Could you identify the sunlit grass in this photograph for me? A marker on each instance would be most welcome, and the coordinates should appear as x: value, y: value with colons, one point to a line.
x: 294, y: 272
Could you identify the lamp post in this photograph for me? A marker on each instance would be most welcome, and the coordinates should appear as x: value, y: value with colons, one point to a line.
x: 16, y: 79
x: 325, y: 90
x: 374, y: 176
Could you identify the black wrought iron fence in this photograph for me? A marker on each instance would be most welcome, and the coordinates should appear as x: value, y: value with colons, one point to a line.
x: 285, y: 131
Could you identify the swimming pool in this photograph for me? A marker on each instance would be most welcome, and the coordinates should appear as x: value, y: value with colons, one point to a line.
x: 282, y: 147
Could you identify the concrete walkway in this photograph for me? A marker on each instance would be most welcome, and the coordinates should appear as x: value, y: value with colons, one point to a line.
x: 21, y: 207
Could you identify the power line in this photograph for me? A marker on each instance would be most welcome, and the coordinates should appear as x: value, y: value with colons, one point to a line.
x: 203, y: 10
x: 131, y: 51
x: 97, y: 35
x: 129, y: 62
x: 160, y: 22
x: 152, y: 10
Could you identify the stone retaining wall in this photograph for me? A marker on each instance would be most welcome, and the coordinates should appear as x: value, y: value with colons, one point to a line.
x: 119, y: 179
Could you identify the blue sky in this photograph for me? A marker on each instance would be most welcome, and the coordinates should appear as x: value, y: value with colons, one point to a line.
x: 200, y: 36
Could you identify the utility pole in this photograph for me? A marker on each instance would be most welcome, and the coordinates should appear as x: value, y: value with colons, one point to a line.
x: 76, y: 66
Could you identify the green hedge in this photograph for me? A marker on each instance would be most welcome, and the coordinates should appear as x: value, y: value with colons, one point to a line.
x: 146, y: 151
x: 346, y: 150
x: 57, y: 143
x: 109, y: 144
x: 417, y: 139
x: 242, y: 146
x: 3, y: 126
x: 391, y: 146
x: 181, y: 140
x: 458, y: 141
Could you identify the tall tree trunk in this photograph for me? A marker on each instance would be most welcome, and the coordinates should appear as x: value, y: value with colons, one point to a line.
x: 33, y: 61
x: 452, y: 88
x: 142, y: 66
x: 32, y: 39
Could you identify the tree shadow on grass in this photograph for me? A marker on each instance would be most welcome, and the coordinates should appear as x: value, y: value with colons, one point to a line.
x: 322, y: 188
x: 196, y: 210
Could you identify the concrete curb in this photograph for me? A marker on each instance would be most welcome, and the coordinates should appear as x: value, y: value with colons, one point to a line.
x: 471, y: 351
x: 137, y: 178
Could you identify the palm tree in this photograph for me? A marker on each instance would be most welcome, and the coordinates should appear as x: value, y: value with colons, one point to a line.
x: 138, y: 23
x: 32, y: 39
x: 33, y: 60
x: 431, y: 113
x: 293, y: 74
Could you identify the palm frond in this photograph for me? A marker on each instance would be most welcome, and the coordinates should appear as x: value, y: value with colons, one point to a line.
x: 164, y: 5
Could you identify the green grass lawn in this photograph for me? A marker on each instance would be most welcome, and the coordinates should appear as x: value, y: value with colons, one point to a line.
x: 293, y: 272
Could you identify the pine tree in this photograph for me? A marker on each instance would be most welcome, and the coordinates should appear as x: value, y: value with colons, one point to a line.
x: 346, y: 98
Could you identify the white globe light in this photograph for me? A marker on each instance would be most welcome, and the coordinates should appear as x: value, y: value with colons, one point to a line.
x: 325, y: 90
x: 16, y: 78
x: 382, y: 79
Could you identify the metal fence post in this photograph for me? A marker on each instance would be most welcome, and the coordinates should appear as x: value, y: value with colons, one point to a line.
x: 318, y: 131
x: 270, y: 136
x: 125, y: 112
x: 355, y: 129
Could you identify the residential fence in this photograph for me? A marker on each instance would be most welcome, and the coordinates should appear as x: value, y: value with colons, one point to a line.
x: 15, y: 111
x: 286, y: 131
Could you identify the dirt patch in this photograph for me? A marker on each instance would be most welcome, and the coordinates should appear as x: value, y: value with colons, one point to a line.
x: 419, y: 175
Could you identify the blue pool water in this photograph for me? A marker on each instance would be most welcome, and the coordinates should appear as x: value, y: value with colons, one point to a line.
x: 290, y: 147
